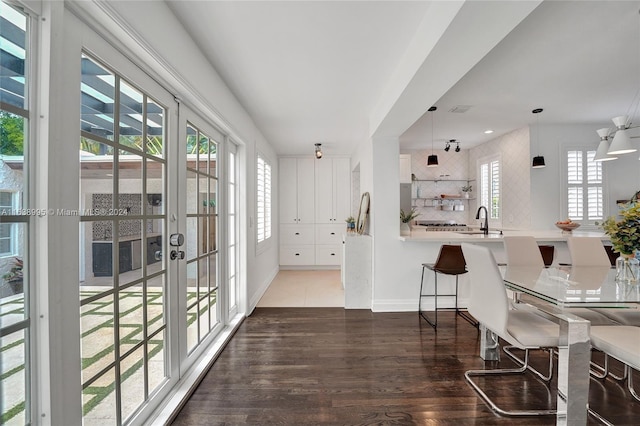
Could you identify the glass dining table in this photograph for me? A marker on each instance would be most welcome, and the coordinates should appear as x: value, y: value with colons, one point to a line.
x: 552, y: 290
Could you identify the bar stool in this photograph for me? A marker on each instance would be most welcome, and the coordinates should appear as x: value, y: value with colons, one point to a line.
x: 450, y: 262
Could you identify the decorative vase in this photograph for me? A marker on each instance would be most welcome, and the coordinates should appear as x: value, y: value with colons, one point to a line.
x: 405, y: 230
x: 627, y: 269
x: 466, y: 195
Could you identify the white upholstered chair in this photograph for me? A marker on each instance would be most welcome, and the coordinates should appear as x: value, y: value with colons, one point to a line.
x: 587, y: 251
x: 523, y: 329
x: 622, y: 343
x: 522, y: 251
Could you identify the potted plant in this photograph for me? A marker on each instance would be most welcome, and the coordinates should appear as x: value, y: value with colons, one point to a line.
x: 405, y: 218
x: 625, y: 239
x: 351, y: 224
x: 466, y: 190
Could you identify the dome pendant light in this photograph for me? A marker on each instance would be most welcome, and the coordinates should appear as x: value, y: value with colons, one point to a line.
x: 432, y: 160
x: 621, y: 144
x: 603, y: 147
x: 538, y: 160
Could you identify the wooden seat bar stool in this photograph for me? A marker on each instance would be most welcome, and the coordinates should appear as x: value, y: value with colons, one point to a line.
x: 450, y: 262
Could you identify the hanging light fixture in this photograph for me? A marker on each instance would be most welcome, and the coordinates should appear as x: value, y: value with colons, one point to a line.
x: 432, y: 160
x: 447, y: 147
x: 621, y: 143
x: 457, y: 146
x: 538, y: 160
x: 318, y: 151
x: 603, y: 147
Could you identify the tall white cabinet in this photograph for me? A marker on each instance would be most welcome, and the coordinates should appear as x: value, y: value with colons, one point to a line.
x: 314, y: 202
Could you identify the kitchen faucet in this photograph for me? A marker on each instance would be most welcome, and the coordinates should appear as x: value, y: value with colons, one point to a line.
x: 484, y: 227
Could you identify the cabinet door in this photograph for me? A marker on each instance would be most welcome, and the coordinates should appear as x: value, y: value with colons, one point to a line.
x: 405, y: 168
x: 288, y: 190
x: 324, y: 191
x: 342, y: 186
x: 305, y: 190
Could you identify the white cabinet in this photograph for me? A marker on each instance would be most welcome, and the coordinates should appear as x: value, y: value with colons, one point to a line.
x: 329, y: 243
x: 405, y: 168
x: 332, y: 190
x: 297, y: 190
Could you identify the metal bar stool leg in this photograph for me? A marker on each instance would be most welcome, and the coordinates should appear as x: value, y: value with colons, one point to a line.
x: 464, y: 314
x: 434, y: 323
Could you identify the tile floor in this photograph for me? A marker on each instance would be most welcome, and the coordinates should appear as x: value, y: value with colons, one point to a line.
x: 304, y: 289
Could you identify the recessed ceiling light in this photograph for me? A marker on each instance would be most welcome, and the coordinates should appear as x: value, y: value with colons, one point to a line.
x: 487, y: 132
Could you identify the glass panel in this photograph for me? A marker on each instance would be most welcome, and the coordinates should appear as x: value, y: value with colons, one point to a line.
x: 155, y: 355
x: 232, y: 292
x: 213, y: 163
x: 13, y: 378
x: 213, y: 246
x: 192, y: 147
x: 203, y: 282
x: 155, y: 251
x: 213, y: 270
x: 204, y: 322
x: 13, y: 138
x: 203, y: 154
x: 96, y: 257
x: 192, y: 191
x: 192, y: 282
x: 98, y: 336
x: 130, y: 251
x: 232, y: 262
x: 12, y: 273
x: 192, y: 327
x: 98, y: 93
x: 155, y: 187
x: 202, y: 234
x: 191, y: 238
x: 213, y: 307
x: 231, y: 200
x: 213, y: 201
x: 130, y: 312
x: 232, y: 168
x: 203, y: 192
x: 130, y: 125
x: 13, y: 47
x: 129, y: 185
x: 96, y: 178
x: 155, y: 129
x: 99, y: 400
x: 132, y: 373
x: 232, y: 230
x: 155, y: 304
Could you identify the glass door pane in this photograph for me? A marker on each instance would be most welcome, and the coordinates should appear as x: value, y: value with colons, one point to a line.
x: 123, y: 275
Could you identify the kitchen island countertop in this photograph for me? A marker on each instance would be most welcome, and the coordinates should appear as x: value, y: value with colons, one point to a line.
x: 420, y: 235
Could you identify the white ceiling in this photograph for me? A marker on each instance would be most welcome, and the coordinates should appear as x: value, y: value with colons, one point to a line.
x: 311, y: 72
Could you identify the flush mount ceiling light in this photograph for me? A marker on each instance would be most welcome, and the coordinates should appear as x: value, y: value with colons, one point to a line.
x: 603, y: 147
x: 538, y: 160
x: 432, y: 160
x: 318, y: 151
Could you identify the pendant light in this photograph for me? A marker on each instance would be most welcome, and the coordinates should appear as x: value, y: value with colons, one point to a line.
x: 538, y: 160
x: 621, y: 143
x: 432, y: 160
x: 603, y: 147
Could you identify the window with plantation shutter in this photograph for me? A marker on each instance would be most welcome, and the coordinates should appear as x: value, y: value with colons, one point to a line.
x: 489, y: 186
x: 263, y: 188
x: 585, y: 183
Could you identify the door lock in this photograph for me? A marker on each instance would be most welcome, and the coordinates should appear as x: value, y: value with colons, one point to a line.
x: 177, y: 254
x: 176, y: 240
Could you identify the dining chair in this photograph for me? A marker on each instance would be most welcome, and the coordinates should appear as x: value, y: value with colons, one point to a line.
x: 523, y: 329
x: 522, y: 251
x: 621, y: 343
x: 450, y: 261
x: 587, y: 251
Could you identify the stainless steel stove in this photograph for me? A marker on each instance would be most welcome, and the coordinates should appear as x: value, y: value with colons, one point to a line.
x: 442, y: 225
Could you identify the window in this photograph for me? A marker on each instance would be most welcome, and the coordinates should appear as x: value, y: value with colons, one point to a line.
x: 489, y: 183
x: 585, y: 185
x: 7, y: 207
x: 263, y: 200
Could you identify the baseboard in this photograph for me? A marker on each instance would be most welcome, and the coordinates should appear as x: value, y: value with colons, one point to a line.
x: 262, y: 290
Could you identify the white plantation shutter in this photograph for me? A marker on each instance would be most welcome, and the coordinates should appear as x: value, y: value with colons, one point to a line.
x: 263, y: 226
x: 585, y: 185
x: 489, y: 184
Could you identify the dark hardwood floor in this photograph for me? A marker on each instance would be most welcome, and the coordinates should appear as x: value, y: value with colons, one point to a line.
x: 330, y: 366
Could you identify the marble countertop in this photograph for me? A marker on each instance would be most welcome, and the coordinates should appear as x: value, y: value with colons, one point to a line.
x: 420, y: 235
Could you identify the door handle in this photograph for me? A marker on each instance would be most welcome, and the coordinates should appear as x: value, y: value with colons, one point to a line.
x: 177, y: 254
